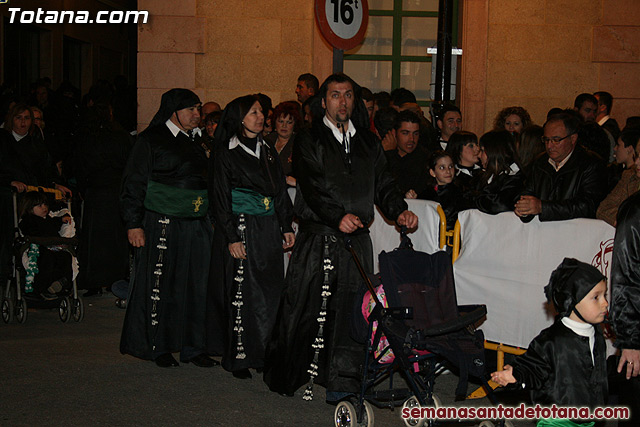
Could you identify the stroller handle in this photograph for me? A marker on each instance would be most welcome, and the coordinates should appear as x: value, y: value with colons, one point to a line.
x: 365, y: 276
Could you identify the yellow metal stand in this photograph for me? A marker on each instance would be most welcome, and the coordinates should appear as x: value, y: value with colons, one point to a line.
x: 500, y: 349
x: 450, y: 238
x: 57, y: 193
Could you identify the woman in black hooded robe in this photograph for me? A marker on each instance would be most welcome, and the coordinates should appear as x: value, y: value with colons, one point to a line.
x: 253, y: 214
x: 164, y: 204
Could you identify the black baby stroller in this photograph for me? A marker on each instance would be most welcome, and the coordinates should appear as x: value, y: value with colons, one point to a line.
x: 17, y: 295
x: 412, y: 326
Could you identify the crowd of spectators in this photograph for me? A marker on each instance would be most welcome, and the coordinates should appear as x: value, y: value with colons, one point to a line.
x: 78, y: 145
x: 578, y: 164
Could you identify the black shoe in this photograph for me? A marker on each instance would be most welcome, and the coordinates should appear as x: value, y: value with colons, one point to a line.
x: 242, y: 374
x: 166, y: 361
x: 203, y: 361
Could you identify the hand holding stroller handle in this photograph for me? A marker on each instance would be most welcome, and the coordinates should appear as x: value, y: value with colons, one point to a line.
x: 405, y: 241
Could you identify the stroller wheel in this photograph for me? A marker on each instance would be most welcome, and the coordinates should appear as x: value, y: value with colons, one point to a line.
x: 410, y: 403
x: 369, y: 417
x: 7, y: 308
x: 77, y: 309
x: 64, y: 309
x: 345, y: 415
x: 21, y: 311
x: 413, y: 402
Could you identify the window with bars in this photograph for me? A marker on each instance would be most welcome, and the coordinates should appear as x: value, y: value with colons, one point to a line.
x: 394, y: 51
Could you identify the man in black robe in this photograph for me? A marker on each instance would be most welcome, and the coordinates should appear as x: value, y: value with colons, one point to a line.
x: 342, y: 172
x: 625, y: 306
x: 165, y: 205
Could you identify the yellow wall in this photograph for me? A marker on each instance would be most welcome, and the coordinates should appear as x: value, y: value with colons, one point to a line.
x: 223, y: 49
x: 535, y: 53
x: 541, y: 54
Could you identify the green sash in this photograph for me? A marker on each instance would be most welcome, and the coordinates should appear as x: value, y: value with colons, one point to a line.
x: 173, y: 201
x: 250, y: 202
x: 560, y: 422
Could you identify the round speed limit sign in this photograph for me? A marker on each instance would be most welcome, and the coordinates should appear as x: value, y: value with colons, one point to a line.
x: 342, y: 22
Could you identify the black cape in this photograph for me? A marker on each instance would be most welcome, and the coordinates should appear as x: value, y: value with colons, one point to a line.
x: 179, y: 162
x: 329, y: 186
x: 263, y: 270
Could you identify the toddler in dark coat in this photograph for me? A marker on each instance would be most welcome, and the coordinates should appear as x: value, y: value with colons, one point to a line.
x: 53, y: 266
x: 565, y: 364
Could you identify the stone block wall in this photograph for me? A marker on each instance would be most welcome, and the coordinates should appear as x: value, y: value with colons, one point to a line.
x: 223, y: 49
x: 541, y: 54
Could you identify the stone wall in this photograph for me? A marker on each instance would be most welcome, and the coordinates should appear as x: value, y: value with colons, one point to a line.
x: 223, y: 49
x: 535, y: 53
x: 540, y: 54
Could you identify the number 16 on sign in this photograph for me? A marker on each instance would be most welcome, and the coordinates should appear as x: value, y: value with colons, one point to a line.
x: 342, y: 22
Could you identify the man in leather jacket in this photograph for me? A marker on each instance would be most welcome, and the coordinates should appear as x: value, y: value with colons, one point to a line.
x: 625, y: 304
x: 567, y: 181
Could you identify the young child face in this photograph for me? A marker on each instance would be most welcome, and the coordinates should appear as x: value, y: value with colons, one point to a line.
x: 593, y: 307
x: 444, y: 171
x: 41, y: 210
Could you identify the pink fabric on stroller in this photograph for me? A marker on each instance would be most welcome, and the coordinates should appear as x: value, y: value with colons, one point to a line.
x: 367, y: 306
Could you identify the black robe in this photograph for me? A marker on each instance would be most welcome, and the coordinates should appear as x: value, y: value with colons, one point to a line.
x: 329, y: 187
x: 263, y: 270
x: 557, y: 368
x: 182, y: 163
x: 101, y: 155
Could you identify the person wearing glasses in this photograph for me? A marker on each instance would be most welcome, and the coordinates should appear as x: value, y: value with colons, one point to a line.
x: 567, y: 181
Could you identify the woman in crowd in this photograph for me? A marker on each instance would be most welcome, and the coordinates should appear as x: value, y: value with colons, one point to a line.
x: 463, y: 149
x: 501, y: 182
x: 210, y: 124
x: 442, y: 189
x: 530, y: 146
x: 24, y: 160
x: 287, y: 119
x: 624, y: 155
x: 253, y: 214
x: 629, y: 182
x: 512, y: 119
x: 102, y: 149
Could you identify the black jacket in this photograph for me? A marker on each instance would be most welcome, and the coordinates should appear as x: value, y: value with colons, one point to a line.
x: 410, y: 170
x: 449, y: 196
x: 575, y: 191
x: 235, y: 168
x: 27, y: 161
x: 625, y: 276
x: 161, y: 157
x: 330, y: 187
x: 557, y: 368
x: 498, y: 196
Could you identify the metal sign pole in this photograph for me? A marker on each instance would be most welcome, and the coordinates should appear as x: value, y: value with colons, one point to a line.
x: 338, y: 60
x: 443, y: 56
